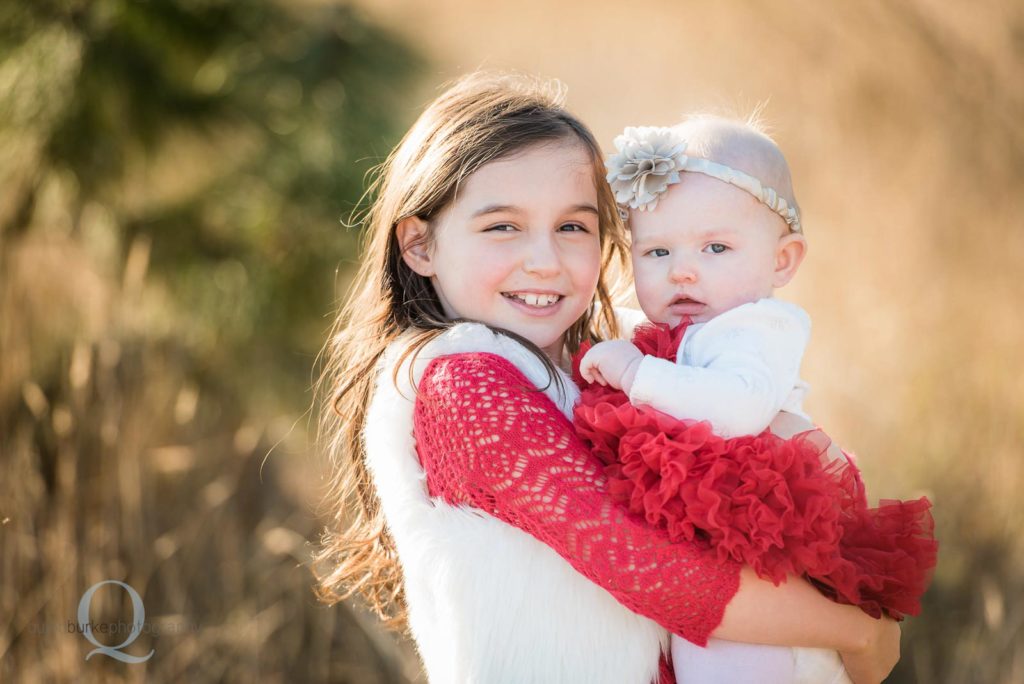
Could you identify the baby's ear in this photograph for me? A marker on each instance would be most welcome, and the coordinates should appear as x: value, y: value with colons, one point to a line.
x: 412, y: 241
x: 789, y: 253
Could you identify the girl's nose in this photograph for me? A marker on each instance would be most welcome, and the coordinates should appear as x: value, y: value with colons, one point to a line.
x: 542, y: 259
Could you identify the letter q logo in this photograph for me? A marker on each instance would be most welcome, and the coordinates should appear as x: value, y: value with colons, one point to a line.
x: 138, y: 619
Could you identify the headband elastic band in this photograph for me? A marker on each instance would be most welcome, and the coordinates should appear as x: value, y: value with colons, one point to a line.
x: 649, y: 159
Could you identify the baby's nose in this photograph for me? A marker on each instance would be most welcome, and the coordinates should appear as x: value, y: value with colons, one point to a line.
x: 684, y: 270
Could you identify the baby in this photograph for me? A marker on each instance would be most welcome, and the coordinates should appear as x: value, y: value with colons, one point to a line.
x: 715, y: 229
x: 706, y: 246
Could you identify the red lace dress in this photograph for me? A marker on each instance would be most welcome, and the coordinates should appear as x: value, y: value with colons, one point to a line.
x: 487, y: 438
x: 780, y: 506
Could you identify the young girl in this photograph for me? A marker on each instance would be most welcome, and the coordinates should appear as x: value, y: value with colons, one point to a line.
x: 475, y: 506
x: 715, y: 228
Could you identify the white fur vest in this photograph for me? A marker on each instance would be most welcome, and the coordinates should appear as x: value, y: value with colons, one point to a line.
x: 488, y: 603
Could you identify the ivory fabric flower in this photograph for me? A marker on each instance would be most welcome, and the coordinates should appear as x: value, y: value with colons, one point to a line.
x: 649, y: 159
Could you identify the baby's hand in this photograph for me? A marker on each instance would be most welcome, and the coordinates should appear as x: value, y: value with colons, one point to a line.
x: 612, y: 363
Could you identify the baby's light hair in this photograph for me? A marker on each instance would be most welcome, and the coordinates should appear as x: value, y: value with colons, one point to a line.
x: 744, y: 145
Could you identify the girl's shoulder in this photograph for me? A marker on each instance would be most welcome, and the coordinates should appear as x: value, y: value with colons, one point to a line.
x: 470, y: 338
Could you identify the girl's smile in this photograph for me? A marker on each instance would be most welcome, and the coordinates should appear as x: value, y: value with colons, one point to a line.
x: 535, y: 303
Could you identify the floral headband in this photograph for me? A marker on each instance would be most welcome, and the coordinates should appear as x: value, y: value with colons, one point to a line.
x: 649, y: 159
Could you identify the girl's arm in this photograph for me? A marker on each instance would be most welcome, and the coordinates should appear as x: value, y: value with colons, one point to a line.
x: 786, y: 425
x: 488, y: 438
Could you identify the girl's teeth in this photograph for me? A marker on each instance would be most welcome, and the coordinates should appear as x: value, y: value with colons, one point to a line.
x: 536, y: 299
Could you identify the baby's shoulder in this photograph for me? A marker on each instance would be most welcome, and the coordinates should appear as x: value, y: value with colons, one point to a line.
x: 767, y: 326
x: 768, y: 315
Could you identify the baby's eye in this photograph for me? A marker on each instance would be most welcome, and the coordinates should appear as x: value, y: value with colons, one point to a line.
x: 658, y: 252
x: 716, y: 248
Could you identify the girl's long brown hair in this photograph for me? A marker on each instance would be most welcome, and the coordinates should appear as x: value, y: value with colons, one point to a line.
x: 481, y: 118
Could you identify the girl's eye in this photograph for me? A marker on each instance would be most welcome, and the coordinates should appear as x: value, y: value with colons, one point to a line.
x: 573, y: 228
x: 501, y: 228
x: 658, y: 252
x: 716, y: 248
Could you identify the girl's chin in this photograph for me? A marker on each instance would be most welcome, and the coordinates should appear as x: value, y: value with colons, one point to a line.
x: 545, y: 329
x: 551, y: 342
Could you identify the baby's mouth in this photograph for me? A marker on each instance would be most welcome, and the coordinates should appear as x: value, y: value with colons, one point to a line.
x: 686, y: 306
x: 534, y: 299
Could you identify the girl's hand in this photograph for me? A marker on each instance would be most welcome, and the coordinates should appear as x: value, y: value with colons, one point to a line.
x: 796, y: 614
x: 873, y: 663
x: 613, y: 363
x: 786, y: 424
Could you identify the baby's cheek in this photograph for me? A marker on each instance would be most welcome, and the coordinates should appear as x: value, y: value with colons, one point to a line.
x: 744, y: 282
x: 650, y: 291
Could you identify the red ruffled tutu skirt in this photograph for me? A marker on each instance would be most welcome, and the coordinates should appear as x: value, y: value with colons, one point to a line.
x: 780, y: 506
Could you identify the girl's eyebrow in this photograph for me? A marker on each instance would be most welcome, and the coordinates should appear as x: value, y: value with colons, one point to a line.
x: 511, y: 209
x: 584, y: 208
x: 496, y: 209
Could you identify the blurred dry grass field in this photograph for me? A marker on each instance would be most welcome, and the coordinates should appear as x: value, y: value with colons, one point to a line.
x: 904, y: 123
x: 120, y: 470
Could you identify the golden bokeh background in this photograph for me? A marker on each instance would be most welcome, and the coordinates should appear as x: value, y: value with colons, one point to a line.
x: 167, y: 274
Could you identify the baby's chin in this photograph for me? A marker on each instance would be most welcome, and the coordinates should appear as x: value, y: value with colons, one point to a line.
x: 672, y: 321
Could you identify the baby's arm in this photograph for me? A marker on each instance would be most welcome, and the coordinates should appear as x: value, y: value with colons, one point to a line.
x: 743, y: 365
x: 611, y: 363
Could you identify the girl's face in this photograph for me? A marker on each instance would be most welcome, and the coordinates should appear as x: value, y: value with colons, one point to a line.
x: 706, y: 248
x: 518, y: 248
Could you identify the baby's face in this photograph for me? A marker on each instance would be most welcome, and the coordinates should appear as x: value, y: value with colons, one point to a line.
x: 707, y: 248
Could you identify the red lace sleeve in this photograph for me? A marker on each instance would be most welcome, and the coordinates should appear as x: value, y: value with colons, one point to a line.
x: 488, y: 439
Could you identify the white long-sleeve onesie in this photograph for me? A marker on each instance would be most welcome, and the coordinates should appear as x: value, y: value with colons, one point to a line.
x: 737, y: 371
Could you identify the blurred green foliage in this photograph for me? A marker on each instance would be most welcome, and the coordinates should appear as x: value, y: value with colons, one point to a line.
x: 233, y: 135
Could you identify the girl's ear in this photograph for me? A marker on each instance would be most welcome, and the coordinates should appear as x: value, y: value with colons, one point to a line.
x: 788, y: 255
x: 412, y: 240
